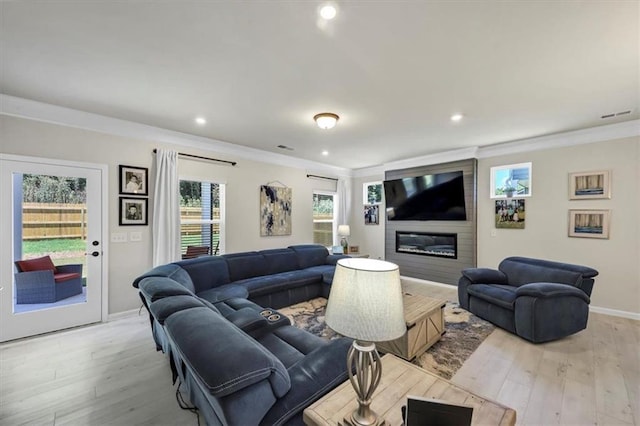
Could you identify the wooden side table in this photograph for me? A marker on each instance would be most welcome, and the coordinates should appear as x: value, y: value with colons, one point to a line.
x: 424, y: 318
x: 400, y: 379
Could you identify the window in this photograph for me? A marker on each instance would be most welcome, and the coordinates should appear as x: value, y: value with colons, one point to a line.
x: 201, y: 218
x: 372, y: 193
x: 324, y: 211
x: 513, y: 180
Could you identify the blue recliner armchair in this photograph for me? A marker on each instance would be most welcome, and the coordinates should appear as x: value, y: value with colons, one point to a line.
x: 539, y: 300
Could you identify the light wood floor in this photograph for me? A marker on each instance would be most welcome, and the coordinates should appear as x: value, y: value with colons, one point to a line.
x: 111, y: 374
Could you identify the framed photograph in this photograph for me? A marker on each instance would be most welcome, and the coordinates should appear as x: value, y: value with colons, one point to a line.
x: 354, y: 249
x: 589, y: 223
x: 134, y: 180
x: 513, y: 180
x: 589, y: 185
x: 133, y: 211
x: 510, y: 213
x: 371, y: 214
x: 372, y: 192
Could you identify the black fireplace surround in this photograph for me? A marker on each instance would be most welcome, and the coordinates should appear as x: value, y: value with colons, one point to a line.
x: 427, y: 244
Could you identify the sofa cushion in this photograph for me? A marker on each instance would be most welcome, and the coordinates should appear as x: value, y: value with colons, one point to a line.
x: 154, y: 288
x: 286, y: 280
x: 224, y: 292
x: 206, y: 272
x: 167, y: 306
x: 551, y: 291
x: 65, y: 276
x: 310, y: 255
x: 245, y: 265
x: 520, y: 273
x: 222, y: 356
x: 498, y: 294
x: 280, y: 260
x: 290, y: 344
x: 43, y: 263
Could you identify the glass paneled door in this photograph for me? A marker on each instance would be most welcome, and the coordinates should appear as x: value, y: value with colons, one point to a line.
x: 51, y: 253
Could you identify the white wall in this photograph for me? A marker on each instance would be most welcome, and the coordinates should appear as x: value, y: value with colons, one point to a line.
x: 370, y: 238
x: 128, y: 260
x: 546, y: 229
x: 545, y: 235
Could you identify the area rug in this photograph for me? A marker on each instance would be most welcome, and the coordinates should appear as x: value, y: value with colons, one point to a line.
x: 463, y: 334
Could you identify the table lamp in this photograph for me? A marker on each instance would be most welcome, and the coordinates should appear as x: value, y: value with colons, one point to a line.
x: 365, y: 304
x: 344, y: 231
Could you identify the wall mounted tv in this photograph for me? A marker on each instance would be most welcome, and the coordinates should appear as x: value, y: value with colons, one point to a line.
x: 430, y: 197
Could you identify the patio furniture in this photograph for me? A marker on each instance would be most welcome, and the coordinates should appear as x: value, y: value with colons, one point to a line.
x: 40, y: 281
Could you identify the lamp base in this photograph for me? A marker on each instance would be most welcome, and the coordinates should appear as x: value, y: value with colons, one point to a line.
x: 348, y: 421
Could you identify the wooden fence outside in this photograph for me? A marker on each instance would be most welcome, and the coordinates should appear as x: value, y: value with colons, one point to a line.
x: 48, y: 221
x: 42, y: 221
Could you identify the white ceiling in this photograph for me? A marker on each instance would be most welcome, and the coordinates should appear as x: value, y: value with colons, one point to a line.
x: 394, y: 71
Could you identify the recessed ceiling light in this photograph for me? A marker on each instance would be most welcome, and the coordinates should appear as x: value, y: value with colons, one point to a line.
x: 328, y: 12
x: 201, y: 121
x: 456, y: 117
x: 325, y: 153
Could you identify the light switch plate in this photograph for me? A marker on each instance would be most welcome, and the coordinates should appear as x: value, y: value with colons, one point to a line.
x: 135, y: 236
x: 118, y: 237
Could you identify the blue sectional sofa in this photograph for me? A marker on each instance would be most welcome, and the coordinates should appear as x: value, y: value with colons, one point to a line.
x: 238, y: 362
x: 539, y: 300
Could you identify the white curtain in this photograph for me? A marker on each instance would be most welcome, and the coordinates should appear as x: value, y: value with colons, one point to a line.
x: 166, y: 209
x: 344, y: 203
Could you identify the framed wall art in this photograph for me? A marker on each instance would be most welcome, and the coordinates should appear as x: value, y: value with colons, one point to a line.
x: 134, y: 180
x: 589, y: 223
x: 372, y: 192
x: 510, y: 213
x: 275, y: 211
x: 133, y: 211
x: 371, y: 214
x: 513, y: 180
x: 589, y: 185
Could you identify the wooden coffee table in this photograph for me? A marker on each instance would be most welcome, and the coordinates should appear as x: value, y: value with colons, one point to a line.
x: 399, y: 379
x: 424, y: 318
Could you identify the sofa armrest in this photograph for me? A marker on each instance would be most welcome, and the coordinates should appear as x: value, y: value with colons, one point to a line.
x: 154, y: 288
x: 484, y: 276
x: 312, y: 377
x: 248, y: 320
x: 35, y: 279
x: 221, y: 356
x: 551, y: 290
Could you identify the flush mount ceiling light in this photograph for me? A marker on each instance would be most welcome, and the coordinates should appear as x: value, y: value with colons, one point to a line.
x: 201, y: 121
x: 326, y: 120
x: 456, y: 117
x: 328, y: 12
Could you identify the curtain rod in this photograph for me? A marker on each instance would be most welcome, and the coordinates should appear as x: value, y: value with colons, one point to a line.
x: 233, y: 163
x: 322, y: 177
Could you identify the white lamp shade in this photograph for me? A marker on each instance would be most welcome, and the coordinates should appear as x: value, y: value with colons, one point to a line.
x: 365, y: 302
x: 344, y: 230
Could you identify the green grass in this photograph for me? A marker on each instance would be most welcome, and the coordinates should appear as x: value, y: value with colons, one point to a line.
x: 53, y: 245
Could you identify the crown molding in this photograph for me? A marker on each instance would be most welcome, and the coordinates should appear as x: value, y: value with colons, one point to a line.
x: 559, y: 140
x: 39, y: 111
x: 33, y: 110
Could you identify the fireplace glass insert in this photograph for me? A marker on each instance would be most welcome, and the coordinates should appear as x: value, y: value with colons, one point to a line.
x: 427, y: 244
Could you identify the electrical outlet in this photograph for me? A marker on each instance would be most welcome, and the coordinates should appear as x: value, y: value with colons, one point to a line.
x: 135, y: 236
x: 118, y: 237
x: 493, y: 233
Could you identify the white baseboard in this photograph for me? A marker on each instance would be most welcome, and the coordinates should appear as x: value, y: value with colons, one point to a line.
x: 124, y: 314
x: 615, y: 312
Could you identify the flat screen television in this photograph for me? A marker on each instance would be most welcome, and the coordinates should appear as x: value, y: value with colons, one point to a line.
x: 430, y: 197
